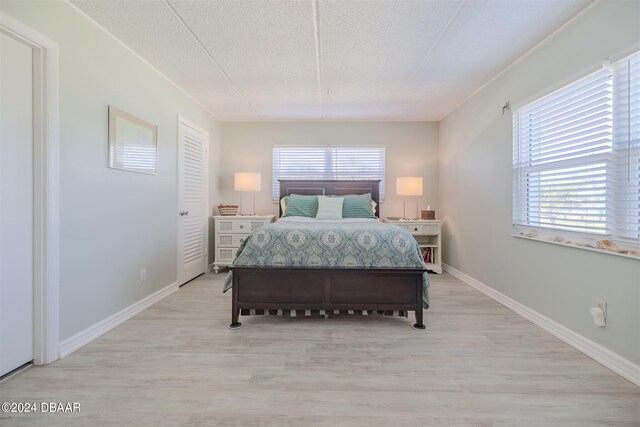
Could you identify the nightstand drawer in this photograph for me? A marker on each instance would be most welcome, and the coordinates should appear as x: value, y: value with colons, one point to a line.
x: 414, y: 229
x: 430, y: 230
x: 230, y: 240
x: 239, y: 225
x: 225, y: 255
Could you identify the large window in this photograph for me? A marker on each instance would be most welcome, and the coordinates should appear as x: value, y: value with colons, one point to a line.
x: 353, y: 163
x: 576, y: 156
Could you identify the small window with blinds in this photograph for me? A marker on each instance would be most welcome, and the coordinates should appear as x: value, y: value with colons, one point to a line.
x: 345, y: 162
x: 576, y: 157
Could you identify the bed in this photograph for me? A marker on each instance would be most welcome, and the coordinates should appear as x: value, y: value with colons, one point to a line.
x: 381, y: 271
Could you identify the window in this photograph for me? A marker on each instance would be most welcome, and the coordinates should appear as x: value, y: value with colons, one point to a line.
x: 626, y: 148
x: 576, y: 156
x: 349, y: 163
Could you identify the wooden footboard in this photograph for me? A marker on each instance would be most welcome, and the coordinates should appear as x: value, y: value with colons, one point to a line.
x: 274, y: 288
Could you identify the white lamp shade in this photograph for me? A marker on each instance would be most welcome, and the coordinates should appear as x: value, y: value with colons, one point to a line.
x: 409, y: 186
x: 246, y: 181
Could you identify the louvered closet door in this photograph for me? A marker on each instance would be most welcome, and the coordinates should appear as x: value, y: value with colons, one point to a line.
x: 192, y: 201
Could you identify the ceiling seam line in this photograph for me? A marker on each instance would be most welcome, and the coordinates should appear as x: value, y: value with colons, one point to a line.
x: 316, y: 28
x: 179, y: 18
x: 430, y: 52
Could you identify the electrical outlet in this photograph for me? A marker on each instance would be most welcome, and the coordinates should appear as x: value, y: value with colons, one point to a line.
x: 603, y: 306
x: 143, y: 274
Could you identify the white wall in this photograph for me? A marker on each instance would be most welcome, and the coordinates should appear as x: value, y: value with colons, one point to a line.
x: 411, y: 148
x: 112, y: 223
x: 475, y: 192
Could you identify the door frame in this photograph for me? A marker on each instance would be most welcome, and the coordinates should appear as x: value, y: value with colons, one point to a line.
x: 185, y: 122
x: 46, y: 167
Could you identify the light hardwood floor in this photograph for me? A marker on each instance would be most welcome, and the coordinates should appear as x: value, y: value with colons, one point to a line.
x: 178, y: 364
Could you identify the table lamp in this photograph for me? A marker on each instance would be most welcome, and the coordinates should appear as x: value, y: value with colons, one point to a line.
x: 409, y: 186
x: 247, y: 181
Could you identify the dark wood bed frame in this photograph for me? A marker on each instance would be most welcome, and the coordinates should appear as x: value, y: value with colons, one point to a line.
x: 309, y: 288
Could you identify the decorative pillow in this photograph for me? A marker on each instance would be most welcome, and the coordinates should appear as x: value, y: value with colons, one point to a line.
x: 357, y: 206
x: 329, y: 207
x: 298, y: 205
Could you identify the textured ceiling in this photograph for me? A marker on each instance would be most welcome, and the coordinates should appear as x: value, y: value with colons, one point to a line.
x: 330, y: 59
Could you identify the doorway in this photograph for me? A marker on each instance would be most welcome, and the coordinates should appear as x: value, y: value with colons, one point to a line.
x: 37, y: 195
x: 16, y: 204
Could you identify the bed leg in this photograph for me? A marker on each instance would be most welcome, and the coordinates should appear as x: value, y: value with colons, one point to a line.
x: 419, y: 324
x: 235, y: 312
x: 419, y: 319
x: 235, y: 324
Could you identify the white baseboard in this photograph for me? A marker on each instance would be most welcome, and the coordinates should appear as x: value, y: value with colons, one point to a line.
x: 600, y: 354
x: 84, y: 337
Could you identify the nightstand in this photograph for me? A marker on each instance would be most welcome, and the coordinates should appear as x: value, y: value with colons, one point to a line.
x: 428, y: 235
x: 230, y: 232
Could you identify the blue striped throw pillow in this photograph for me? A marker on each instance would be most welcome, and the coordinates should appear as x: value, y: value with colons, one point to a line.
x: 298, y: 205
x: 357, y: 206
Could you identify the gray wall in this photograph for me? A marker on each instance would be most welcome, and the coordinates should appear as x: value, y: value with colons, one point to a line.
x: 475, y: 192
x: 411, y: 149
x: 112, y: 223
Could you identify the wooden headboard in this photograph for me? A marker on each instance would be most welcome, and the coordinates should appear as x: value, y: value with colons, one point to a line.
x: 331, y: 188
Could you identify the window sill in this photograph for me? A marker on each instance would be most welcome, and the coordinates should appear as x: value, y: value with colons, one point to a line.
x: 602, y: 244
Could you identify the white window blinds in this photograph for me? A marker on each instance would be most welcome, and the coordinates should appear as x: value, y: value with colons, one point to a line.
x: 575, y: 159
x: 626, y: 144
x: 141, y: 158
x: 348, y: 163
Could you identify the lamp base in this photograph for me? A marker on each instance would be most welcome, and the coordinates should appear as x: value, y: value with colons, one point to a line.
x: 404, y: 210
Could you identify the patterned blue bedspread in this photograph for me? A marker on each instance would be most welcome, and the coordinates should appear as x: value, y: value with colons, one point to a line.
x: 351, y: 243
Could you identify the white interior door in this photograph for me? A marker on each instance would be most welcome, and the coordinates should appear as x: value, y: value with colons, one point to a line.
x: 16, y: 204
x: 192, y: 200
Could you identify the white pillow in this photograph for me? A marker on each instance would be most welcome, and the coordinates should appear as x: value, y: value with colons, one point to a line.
x: 283, y: 206
x: 373, y: 207
x: 329, y: 207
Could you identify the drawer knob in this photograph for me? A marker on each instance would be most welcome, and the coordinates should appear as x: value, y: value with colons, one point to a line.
x: 241, y: 226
